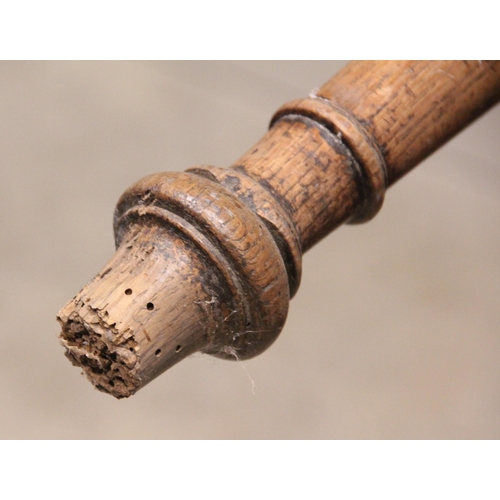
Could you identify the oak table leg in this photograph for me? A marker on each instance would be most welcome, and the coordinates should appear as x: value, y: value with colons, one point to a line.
x: 207, y: 260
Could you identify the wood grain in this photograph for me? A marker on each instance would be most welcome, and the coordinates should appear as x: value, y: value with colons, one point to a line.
x: 207, y: 260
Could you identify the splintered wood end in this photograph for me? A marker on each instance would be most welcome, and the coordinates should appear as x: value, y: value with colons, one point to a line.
x: 138, y: 316
x: 107, y: 358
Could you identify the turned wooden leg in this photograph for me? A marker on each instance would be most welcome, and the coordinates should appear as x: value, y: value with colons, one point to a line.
x: 208, y: 259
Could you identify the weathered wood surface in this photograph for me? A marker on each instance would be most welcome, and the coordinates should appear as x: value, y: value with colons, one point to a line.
x: 207, y: 260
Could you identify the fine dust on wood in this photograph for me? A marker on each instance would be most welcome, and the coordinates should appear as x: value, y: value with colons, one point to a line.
x: 207, y: 260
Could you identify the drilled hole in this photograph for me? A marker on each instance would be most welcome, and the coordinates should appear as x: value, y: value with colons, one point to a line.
x: 158, y: 352
x: 150, y: 306
x: 128, y: 291
x: 178, y: 348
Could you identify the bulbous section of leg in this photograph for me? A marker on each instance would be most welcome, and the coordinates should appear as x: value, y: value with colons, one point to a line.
x: 195, y: 270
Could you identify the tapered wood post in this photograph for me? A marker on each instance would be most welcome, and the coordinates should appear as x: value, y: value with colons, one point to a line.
x: 208, y: 259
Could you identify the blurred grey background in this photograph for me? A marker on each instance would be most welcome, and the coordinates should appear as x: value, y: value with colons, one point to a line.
x: 395, y: 331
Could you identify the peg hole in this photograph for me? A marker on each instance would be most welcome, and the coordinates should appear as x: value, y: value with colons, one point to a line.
x: 150, y: 306
x: 178, y: 348
x: 128, y: 291
x: 157, y: 352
